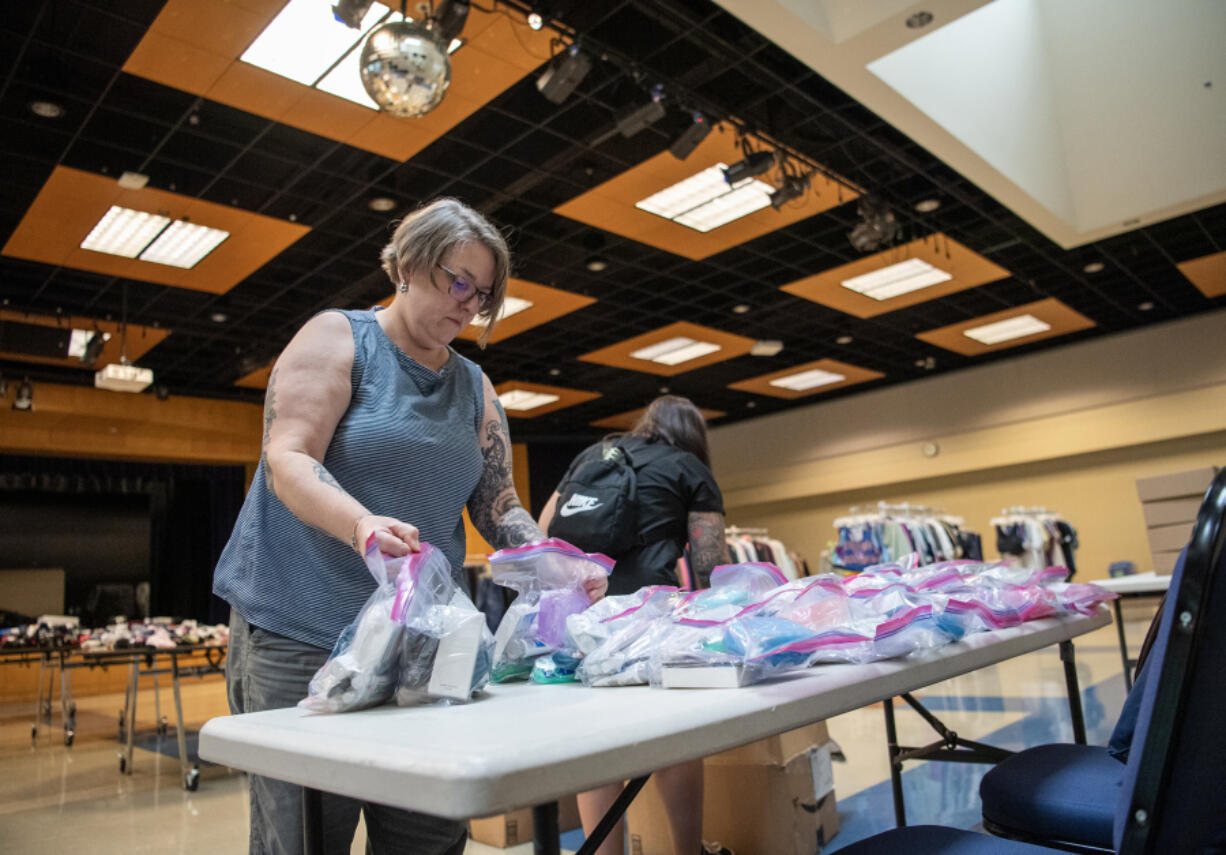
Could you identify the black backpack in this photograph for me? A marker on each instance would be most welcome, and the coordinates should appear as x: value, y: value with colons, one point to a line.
x: 597, y: 508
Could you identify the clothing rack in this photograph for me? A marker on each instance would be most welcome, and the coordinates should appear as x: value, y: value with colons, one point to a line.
x: 904, y: 510
x: 734, y: 530
x: 1013, y: 513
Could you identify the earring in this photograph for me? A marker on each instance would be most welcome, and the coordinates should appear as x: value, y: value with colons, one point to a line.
x: 404, y: 287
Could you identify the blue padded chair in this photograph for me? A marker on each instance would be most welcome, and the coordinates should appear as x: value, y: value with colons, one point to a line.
x: 1064, y: 794
x: 1172, y: 795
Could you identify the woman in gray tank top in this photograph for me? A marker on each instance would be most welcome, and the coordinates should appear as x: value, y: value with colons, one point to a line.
x: 374, y: 428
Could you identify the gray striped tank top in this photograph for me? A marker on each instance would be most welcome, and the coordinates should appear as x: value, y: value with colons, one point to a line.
x: 406, y: 448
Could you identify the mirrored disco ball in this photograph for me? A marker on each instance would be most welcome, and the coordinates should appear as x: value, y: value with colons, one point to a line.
x: 404, y: 69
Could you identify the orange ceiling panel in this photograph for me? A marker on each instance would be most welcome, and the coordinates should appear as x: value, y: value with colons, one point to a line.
x: 257, y: 379
x: 618, y: 355
x: 72, y: 202
x: 852, y: 375
x: 1051, y: 311
x: 196, y: 46
x: 627, y: 420
x: 611, y: 206
x: 140, y: 340
x: 547, y: 305
x: 566, y: 397
x: 1208, y: 273
x: 969, y: 269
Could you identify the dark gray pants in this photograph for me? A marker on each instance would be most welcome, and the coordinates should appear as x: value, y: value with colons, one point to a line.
x: 267, y: 671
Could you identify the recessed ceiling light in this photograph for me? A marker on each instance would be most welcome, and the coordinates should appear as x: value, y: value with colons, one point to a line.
x: 844, y: 339
x: 183, y: 244
x: 521, y: 399
x: 741, y: 308
x: 706, y: 201
x: 1145, y: 307
x: 919, y: 20
x: 331, y: 62
x: 1094, y: 267
x: 664, y: 390
x: 751, y: 404
x: 46, y: 109
x: 897, y: 279
x: 1007, y: 330
x: 381, y: 203
x: 766, y: 347
x: 927, y: 206
x: 535, y: 21
x: 554, y: 372
x: 124, y: 232
x: 807, y: 380
x: 219, y: 317
x: 133, y: 180
x: 596, y: 263
x: 675, y: 351
x: 510, y: 306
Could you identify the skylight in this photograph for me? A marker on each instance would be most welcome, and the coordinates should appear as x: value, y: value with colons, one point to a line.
x: 1007, y: 330
x: 897, y: 279
x: 705, y: 201
x: 521, y: 399
x: 152, y: 237
x: 307, y: 44
x: 807, y: 380
x: 675, y: 351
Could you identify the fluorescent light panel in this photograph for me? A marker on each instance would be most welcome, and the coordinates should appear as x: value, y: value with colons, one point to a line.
x: 510, y: 306
x: 674, y: 351
x: 183, y: 244
x: 705, y: 201
x: 1007, y: 330
x: 308, y: 45
x: 897, y: 279
x: 807, y: 380
x: 124, y: 232
x: 521, y: 399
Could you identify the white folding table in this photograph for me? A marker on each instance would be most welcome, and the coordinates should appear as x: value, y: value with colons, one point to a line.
x: 524, y: 744
x: 1138, y: 585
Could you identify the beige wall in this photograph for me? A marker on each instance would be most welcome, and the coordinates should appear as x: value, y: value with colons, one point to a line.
x: 1070, y: 429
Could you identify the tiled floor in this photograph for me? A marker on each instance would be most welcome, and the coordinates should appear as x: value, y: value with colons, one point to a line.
x: 59, y: 799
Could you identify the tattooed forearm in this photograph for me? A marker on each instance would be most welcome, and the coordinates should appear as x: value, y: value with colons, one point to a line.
x: 708, y: 549
x: 270, y: 415
x: 493, y: 505
x: 325, y: 476
x: 515, y: 528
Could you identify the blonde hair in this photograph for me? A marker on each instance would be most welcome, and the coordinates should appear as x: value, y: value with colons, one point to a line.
x: 424, y: 237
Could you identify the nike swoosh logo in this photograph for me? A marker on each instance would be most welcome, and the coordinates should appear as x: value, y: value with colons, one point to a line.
x: 578, y: 504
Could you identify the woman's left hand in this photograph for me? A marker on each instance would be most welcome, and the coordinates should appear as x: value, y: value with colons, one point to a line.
x: 596, y: 588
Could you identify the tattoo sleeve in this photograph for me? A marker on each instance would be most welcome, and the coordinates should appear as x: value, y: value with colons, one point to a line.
x: 493, y: 505
x: 270, y: 415
x: 708, y: 549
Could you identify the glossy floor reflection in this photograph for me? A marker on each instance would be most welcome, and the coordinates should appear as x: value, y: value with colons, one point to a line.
x: 60, y: 799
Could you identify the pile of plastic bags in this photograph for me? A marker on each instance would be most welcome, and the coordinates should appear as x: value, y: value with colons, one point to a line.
x: 419, y: 637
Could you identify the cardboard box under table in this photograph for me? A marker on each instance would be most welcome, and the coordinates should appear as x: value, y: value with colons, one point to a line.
x: 514, y: 828
x: 772, y: 797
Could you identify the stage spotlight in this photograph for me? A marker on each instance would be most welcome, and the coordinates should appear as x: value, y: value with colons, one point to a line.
x: 351, y: 12
x: 877, y: 227
x: 794, y: 186
x: 634, y: 118
x: 691, y: 137
x: 563, y: 75
x: 449, y: 19
x: 754, y: 164
x: 25, y: 396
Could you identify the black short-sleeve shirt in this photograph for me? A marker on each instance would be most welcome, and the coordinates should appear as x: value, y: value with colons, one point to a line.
x: 671, y: 484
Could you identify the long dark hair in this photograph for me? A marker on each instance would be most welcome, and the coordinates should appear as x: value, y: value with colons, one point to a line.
x: 675, y: 420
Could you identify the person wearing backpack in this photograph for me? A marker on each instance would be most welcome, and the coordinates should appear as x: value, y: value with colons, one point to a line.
x: 641, y: 498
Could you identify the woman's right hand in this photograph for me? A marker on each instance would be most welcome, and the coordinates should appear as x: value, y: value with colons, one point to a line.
x: 394, y: 537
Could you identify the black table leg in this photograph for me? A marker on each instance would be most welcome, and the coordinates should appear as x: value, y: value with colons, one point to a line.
x: 1119, y: 628
x: 1074, y: 691
x: 891, y: 738
x: 312, y: 822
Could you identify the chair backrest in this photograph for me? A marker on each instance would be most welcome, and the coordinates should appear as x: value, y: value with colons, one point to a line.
x: 1173, y: 796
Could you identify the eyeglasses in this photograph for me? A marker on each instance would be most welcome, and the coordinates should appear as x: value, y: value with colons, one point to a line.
x: 461, y: 290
